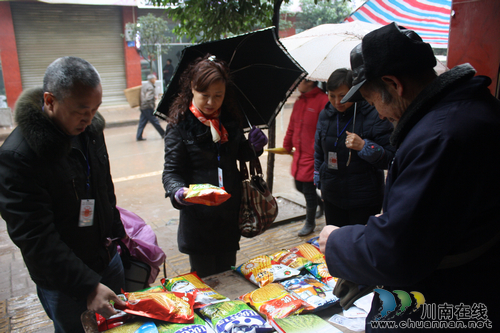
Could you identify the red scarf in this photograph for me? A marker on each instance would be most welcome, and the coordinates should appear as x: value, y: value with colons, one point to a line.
x: 218, y: 131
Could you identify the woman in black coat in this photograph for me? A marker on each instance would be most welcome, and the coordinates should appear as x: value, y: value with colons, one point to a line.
x: 203, y: 141
x: 351, y: 150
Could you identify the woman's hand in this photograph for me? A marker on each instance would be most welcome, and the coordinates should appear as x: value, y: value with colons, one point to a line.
x: 257, y: 138
x: 180, y: 195
x: 353, y: 141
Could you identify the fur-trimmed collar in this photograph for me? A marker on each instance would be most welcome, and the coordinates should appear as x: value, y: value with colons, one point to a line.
x: 428, y: 97
x: 40, y: 132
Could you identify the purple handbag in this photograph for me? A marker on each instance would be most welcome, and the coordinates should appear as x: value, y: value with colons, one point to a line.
x: 142, y: 243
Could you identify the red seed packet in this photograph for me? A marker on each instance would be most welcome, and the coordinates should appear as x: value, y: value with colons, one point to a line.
x: 168, y: 306
x: 206, y: 194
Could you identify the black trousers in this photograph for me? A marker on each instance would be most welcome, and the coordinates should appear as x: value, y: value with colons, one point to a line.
x: 212, y: 263
x: 335, y: 215
x: 147, y: 115
x: 312, y: 198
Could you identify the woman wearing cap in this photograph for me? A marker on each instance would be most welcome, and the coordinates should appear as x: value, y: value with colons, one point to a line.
x: 203, y: 141
x: 351, y: 150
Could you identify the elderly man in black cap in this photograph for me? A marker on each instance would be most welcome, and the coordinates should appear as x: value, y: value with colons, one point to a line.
x: 438, y: 236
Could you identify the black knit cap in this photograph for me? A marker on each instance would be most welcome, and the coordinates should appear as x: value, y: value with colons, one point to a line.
x: 390, y: 50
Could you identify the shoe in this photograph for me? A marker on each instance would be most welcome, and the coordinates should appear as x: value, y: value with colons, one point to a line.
x: 141, y: 139
x: 307, y: 229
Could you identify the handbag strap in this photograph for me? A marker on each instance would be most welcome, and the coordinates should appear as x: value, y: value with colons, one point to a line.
x: 255, y: 167
x: 125, y: 253
x: 243, y: 170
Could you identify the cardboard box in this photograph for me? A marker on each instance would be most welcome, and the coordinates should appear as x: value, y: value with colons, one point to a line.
x: 133, y: 96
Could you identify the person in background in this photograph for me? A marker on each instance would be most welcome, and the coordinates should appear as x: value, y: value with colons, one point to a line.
x: 57, y: 196
x: 300, y: 135
x: 203, y: 141
x: 351, y: 151
x: 168, y: 72
x: 440, y: 228
x: 148, y: 99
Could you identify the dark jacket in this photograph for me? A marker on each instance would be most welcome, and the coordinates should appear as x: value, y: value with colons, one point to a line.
x: 43, y: 176
x: 191, y: 158
x: 442, y: 198
x: 301, y: 130
x: 361, y: 184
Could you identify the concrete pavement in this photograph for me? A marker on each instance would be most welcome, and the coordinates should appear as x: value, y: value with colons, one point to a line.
x: 20, y: 309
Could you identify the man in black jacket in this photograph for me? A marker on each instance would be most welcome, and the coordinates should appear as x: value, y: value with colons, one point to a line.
x: 438, y: 236
x: 57, y: 196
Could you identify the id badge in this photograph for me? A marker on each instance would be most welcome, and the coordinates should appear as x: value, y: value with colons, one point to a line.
x: 221, y: 180
x: 86, y: 213
x: 332, y: 160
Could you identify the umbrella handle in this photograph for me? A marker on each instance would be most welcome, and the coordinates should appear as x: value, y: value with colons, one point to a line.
x: 353, y: 123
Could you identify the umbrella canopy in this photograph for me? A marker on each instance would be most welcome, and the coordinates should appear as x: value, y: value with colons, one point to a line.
x: 263, y: 73
x: 327, y: 47
x: 430, y: 19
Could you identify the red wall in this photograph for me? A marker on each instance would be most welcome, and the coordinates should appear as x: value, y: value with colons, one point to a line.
x: 8, y: 54
x: 290, y: 31
x: 132, y: 59
x: 475, y: 37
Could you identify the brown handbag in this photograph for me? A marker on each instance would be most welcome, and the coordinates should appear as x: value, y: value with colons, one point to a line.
x: 258, y: 208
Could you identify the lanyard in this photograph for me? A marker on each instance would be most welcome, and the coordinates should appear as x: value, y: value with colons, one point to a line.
x: 218, y: 143
x: 339, y: 134
x: 87, y: 184
x: 86, y: 154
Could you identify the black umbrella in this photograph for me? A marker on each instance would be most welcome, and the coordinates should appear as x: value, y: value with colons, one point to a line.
x: 263, y: 73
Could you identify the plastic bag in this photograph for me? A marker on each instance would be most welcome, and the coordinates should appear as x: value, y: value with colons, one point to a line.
x: 142, y: 242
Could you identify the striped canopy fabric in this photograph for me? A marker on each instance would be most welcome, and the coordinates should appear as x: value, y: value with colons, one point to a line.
x: 429, y: 18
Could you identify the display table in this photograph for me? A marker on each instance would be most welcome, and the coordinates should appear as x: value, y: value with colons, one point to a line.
x: 232, y: 285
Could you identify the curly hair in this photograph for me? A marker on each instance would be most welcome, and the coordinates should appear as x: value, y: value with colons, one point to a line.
x: 199, y: 76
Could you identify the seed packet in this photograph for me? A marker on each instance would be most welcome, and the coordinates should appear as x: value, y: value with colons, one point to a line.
x: 311, y: 290
x: 261, y: 271
x: 206, y: 194
x: 289, y: 259
x: 199, y: 326
x: 116, y: 320
x: 320, y: 271
x: 234, y: 316
x: 129, y: 327
x: 191, y: 282
x: 167, y: 305
x: 273, y: 301
x: 310, y: 252
x: 314, y: 242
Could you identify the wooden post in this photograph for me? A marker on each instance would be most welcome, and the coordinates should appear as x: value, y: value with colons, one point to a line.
x: 272, y: 127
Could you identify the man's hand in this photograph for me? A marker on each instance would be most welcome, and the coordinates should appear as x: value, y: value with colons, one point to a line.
x: 98, y: 301
x: 323, y: 236
x: 353, y: 141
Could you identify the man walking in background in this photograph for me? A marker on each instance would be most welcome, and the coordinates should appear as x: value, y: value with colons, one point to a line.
x: 148, y: 99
